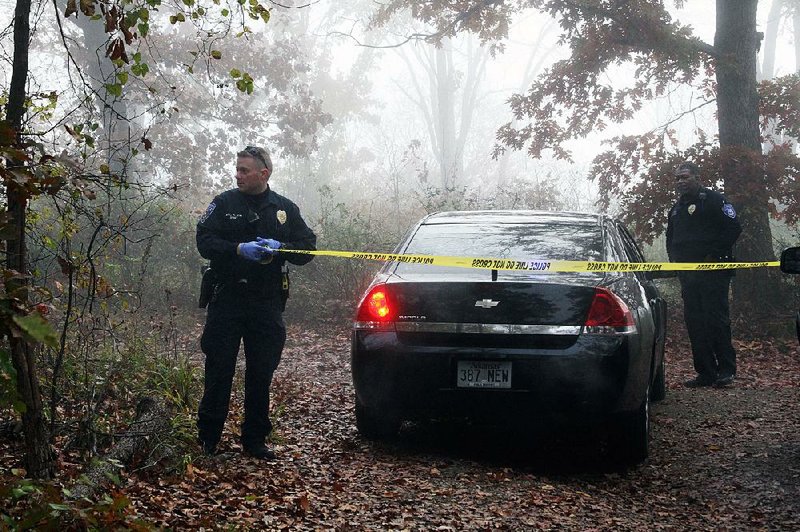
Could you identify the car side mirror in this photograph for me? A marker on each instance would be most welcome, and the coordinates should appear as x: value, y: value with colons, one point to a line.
x: 790, y: 260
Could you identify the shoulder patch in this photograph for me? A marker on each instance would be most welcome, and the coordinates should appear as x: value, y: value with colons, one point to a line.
x: 729, y: 211
x: 208, y: 212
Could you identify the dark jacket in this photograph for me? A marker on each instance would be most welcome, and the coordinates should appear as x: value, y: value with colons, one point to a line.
x: 702, y: 228
x: 233, y: 218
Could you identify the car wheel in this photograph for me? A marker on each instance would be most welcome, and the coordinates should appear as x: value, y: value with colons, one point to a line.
x: 630, y: 439
x: 659, y: 392
x: 797, y: 325
x: 375, y: 426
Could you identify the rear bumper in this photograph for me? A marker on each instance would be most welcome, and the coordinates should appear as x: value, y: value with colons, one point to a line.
x: 586, y: 381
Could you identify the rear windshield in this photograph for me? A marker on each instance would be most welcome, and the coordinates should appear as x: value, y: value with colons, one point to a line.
x: 506, y: 241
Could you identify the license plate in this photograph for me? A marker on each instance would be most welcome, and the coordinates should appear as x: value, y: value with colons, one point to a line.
x: 483, y: 374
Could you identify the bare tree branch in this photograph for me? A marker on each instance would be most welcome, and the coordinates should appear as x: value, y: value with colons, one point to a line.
x: 293, y: 7
x: 430, y: 37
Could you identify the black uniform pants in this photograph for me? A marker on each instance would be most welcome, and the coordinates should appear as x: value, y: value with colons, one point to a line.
x: 235, y: 316
x: 707, y: 315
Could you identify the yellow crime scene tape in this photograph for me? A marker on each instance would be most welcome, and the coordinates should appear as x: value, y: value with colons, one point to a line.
x: 539, y: 265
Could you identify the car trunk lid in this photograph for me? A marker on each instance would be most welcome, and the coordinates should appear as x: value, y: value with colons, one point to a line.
x: 553, y: 300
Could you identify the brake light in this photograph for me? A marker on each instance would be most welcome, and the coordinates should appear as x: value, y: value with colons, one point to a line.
x: 376, y: 309
x: 608, y: 313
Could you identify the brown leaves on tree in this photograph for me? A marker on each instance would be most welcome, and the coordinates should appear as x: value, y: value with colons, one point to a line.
x: 583, y: 94
x: 570, y: 100
x: 71, y: 9
x: 66, y: 265
x: 111, y: 18
x: 116, y: 50
x: 114, y: 20
x: 489, y: 19
x: 87, y: 7
x: 636, y: 175
x: 779, y: 101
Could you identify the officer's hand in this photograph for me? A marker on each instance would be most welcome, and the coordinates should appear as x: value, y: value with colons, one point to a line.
x: 270, y: 245
x: 251, y: 251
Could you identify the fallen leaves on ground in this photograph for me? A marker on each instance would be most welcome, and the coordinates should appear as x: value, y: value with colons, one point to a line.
x: 720, y: 459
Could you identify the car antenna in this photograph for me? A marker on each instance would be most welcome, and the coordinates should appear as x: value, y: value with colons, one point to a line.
x: 494, y: 275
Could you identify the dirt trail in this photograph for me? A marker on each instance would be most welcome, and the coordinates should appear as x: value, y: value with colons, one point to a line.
x: 721, y: 459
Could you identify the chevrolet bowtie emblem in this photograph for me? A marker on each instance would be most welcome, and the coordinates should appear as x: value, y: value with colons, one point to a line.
x: 486, y: 303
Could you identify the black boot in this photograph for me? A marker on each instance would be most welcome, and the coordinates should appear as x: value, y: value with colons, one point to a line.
x: 262, y: 452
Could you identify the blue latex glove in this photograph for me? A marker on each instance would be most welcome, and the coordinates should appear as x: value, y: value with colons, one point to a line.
x: 251, y: 251
x: 270, y: 245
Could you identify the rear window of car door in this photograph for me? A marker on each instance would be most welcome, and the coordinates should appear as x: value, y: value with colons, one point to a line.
x: 507, y: 241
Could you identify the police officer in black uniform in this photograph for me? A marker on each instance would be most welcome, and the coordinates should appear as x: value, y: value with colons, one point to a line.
x: 240, y: 233
x: 702, y: 227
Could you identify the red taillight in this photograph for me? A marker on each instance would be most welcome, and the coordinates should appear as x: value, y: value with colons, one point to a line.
x: 376, y: 306
x: 608, y: 310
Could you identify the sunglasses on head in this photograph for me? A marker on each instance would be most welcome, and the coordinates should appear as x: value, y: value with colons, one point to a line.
x: 255, y: 152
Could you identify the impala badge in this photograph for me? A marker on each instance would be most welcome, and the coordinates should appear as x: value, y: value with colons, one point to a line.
x: 486, y: 303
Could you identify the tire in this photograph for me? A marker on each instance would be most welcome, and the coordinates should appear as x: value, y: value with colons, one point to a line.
x: 659, y: 392
x: 797, y: 325
x: 374, y: 426
x: 630, y: 438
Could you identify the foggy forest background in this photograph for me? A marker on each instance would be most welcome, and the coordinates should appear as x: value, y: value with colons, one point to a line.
x: 375, y: 117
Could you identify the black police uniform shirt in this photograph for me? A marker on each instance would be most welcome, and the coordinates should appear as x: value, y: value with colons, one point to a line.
x: 234, y: 217
x: 702, y: 228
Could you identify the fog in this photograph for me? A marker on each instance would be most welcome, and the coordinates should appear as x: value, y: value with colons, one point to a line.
x: 399, y: 120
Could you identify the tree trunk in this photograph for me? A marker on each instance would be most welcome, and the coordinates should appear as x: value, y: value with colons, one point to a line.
x: 796, y: 26
x: 101, y: 70
x: 152, y: 420
x: 768, y: 66
x: 771, y: 39
x: 476, y: 58
x: 736, y: 44
x: 39, y: 459
x: 443, y: 89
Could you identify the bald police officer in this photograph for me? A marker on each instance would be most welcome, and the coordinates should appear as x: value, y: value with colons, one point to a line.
x: 240, y: 233
x: 702, y: 227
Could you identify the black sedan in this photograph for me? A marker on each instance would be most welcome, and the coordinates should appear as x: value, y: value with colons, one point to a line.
x: 790, y: 263
x: 512, y: 347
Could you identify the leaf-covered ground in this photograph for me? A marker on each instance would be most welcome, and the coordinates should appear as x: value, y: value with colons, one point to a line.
x: 720, y: 459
